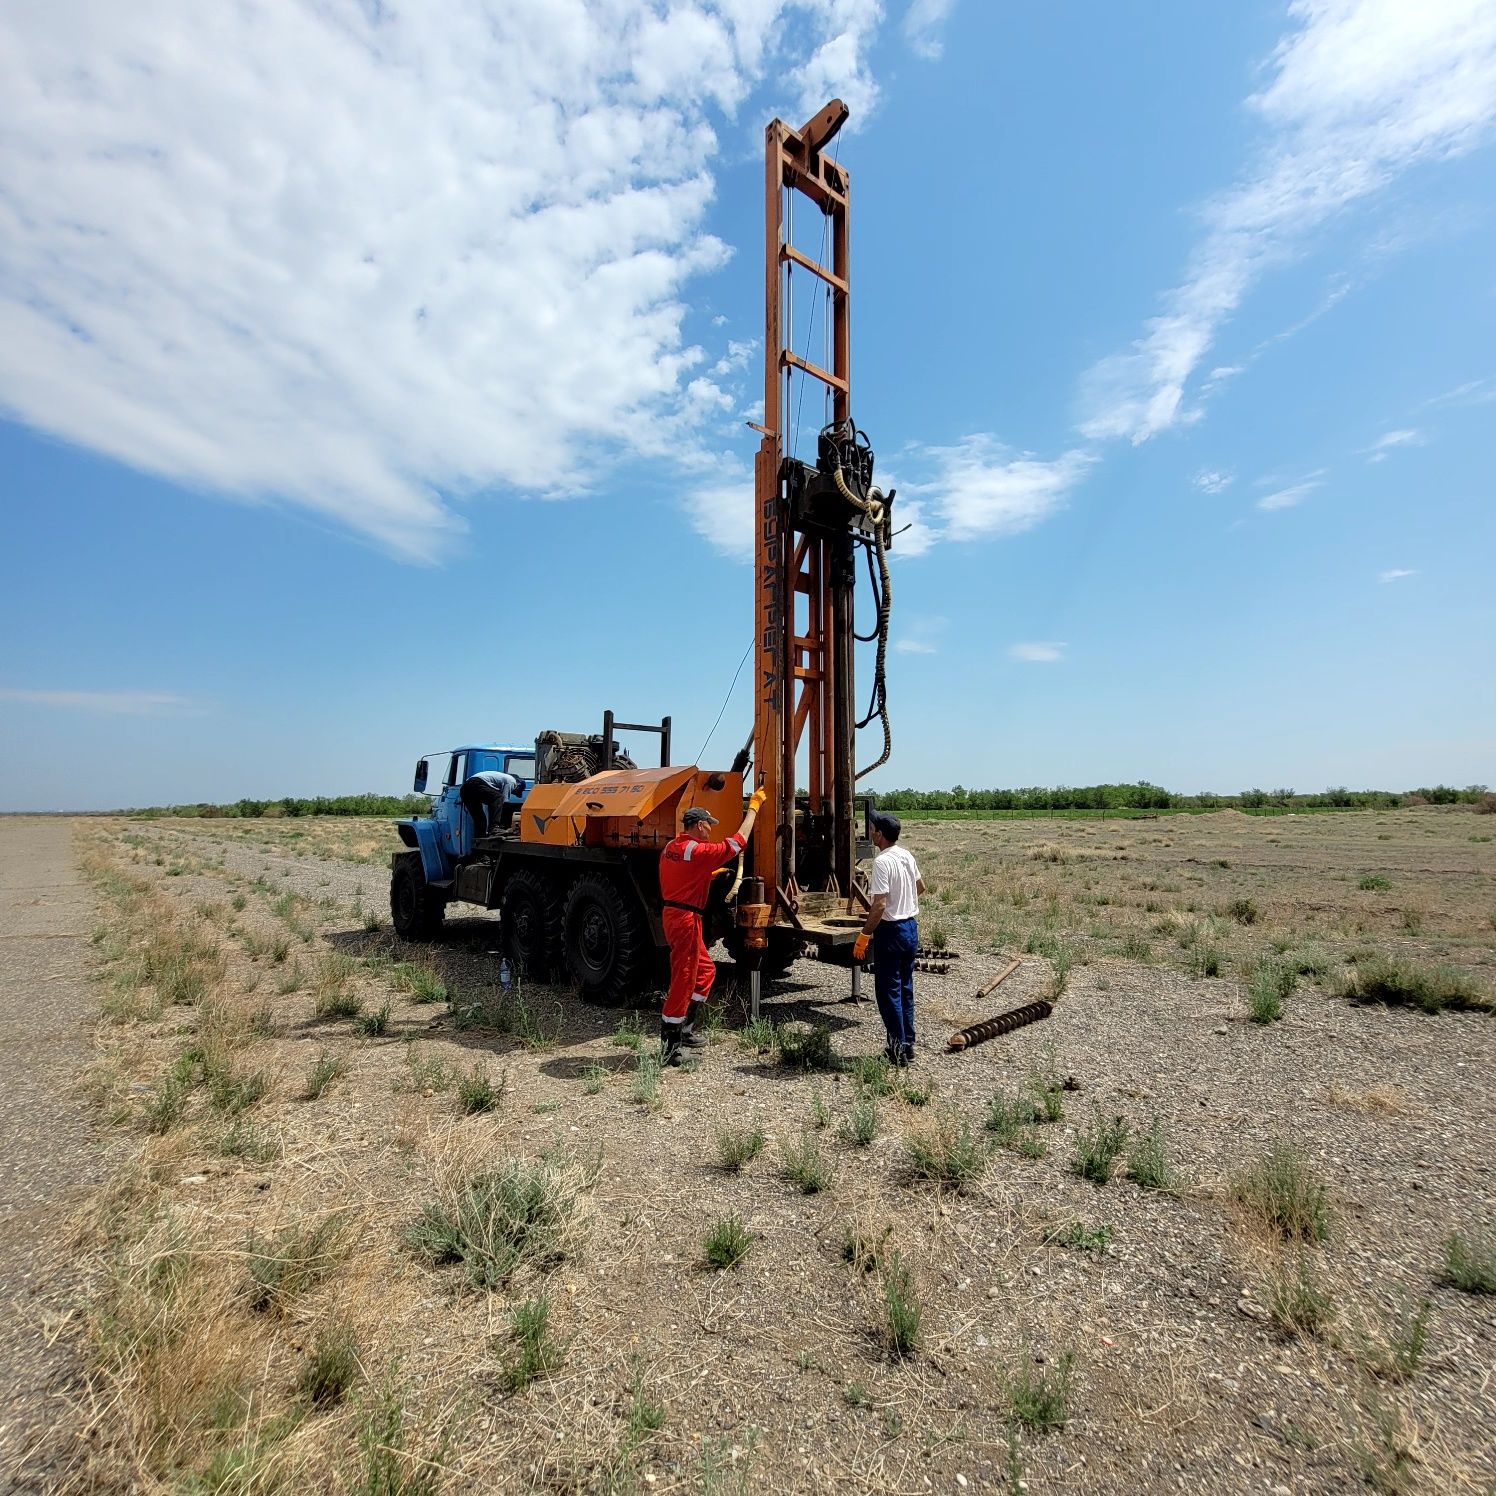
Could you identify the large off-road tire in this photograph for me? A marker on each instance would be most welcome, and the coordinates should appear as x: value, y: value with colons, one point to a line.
x: 607, y: 945
x: 531, y: 910
x: 416, y: 909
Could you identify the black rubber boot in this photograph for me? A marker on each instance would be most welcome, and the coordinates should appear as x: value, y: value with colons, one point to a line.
x: 670, y: 1040
x: 689, y: 1038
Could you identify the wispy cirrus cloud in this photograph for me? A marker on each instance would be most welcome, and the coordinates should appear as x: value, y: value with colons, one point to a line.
x: 923, y: 22
x: 1038, y: 652
x: 1212, y: 480
x: 1291, y: 496
x: 1395, y: 574
x: 1378, y: 450
x: 107, y: 703
x: 376, y: 260
x: 1362, y: 90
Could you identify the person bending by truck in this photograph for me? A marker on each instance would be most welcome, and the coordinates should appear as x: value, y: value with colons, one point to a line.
x: 893, y: 929
x: 489, y: 798
x: 686, y: 868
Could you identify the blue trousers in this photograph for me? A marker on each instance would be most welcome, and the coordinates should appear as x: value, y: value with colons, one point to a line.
x: 894, y: 944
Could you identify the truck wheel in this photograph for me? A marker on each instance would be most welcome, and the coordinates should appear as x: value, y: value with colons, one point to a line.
x: 607, y: 946
x: 415, y: 909
x: 532, y: 923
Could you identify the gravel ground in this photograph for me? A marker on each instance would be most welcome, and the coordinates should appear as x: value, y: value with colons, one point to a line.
x: 773, y: 1376
x: 51, y: 1160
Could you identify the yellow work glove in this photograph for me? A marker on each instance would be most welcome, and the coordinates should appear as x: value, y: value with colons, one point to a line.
x: 859, y: 947
x: 756, y: 800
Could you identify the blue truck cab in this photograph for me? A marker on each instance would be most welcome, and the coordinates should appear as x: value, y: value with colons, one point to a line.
x: 447, y: 833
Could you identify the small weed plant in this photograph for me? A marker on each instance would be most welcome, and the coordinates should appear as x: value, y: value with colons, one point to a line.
x: 1038, y: 1391
x: 738, y: 1146
x: 477, y: 1091
x: 1268, y: 986
x: 1098, y: 1147
x: 804, y: 1165
x: 534, y: 1351
x: 860, y: 1126
x: 1373, y: 883
x: 1397, y: 983
x: 948, y: 1153
x: 296, y: 1259
x: 1148, y: 1161
x: 1080, y: 1237
x: 903, y: 1313
x: 331, y: 1368
x: 1297, y: 1304
x: 726, y: 1243
x: 1282, y: 1193
x: 324, y: 1070
x: 1470, y: 1262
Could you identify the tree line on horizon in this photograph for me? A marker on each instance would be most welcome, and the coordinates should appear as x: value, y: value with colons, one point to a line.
x: 1102, y: 797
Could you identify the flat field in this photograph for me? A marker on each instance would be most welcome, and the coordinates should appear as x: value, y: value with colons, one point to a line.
x: 1212, y: 1226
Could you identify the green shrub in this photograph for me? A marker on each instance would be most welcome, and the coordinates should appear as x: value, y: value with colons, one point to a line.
x: 372, y: 1025
x: 737, y: 1146
x: 630, y: 1032
x: 535, y: 1352
x: 478, y: 1092
x: 331, y: 1368
x: 727, y: 1243
x: 902, y: 1311
x: 1268, y: 985
x: 1080, y: 1237
x: 1038, y: 1391
x: 1296, y: 1303
x: 1098, y: 1147
x: 1280, y: 1191
x: 244, y: 1140
x: 948, y: 1153
x: 232, y: 1092
x: 1243, y: 911
x: 1383, y: 979
x: 646, y: 1087
x: 806, y: 1047
x: 804, y: 1165
x: 1147, y: 1160
x: 1205, y: 960
x: 497, y: 1221
x: 870, y: 1073
x: 325, y: 1069
x: 861, y: 1123
x: 1374, y: 883
x: 295, y: 1259
x: 1470, y: 1262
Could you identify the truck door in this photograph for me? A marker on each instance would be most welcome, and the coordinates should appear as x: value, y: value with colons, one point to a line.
x: 454, y: 823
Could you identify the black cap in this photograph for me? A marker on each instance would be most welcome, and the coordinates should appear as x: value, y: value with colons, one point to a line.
x: 887, y: 824
x: 696, y: 815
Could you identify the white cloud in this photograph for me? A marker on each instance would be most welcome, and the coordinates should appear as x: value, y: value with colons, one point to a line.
x: 1038, y: 653
x: 922, y: 26
x: 1288, y: 498
x: 374, y: 259
x: 1379, y: 449
x: 980, y: 488
x: 1396, y: 574
x: 1472, y: 392
x: 920, y: 634
x: 1208, y: 480
x: 1361, y: 91
x: 915, y: 646
x: 109, y: 703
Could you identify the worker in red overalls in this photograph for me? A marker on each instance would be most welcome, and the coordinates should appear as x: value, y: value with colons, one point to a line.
x: 686, y: 868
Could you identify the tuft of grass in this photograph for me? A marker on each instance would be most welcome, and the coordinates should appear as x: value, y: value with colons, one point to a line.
x: 337, y: 1004
x: 331, y: 1368
x: 1309, y: 962
x: 727, y: 1242
x: 915, y: 1093
x: 1373, y: 883
x: 806, y: 1046
x: 1384, y: 979
x: 534, y: 1350
x: 863, y: 1241
x: 324, y: 1070
x: 1470, y: 1262
x: 478, y: 1092
x: 1296, y: 1303
x: 1038, y: 1391
x: 759, y: 1037
x: 168, y: 1102
x: 1205, y: 960
x: 497, y: 1221
x: 295, y: 1259
x: 423, y: 983
x: 389, y: 1468
x: 594, y: 1078
x: 1148, y: 1162
x: 1098, y: 1147
x: 860, y: 1126
x: 804, y: 1165
x: 645, y: 1091
x: 1080, y: 1237
x: 870, y: 1074
x: 630, y: 1032
x: 902, y: 1311
x: 1281, y: 1192
x: 1012, y: 1123
x: 258, y: 1145
x: 948, y: 1152
x: 426, y: 1073
x: 290, y: 980
x: 373, y: 1025
x: 231, y: 1092
x: 1243, y: 911
x: 1268, y: 985
x: 820, y: 1113
x: 1399, y: 1353
x: 738, y: 1146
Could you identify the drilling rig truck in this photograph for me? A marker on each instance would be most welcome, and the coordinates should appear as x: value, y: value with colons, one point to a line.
x: 575, y: 875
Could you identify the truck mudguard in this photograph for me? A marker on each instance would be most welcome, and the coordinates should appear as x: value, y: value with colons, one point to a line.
x: 422, y: 834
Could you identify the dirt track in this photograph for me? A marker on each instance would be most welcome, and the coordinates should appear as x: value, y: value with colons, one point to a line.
x: 51, y: 1159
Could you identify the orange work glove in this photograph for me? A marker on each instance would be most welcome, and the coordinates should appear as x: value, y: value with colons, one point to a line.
x: 756, y: 800
x: 859, y: 947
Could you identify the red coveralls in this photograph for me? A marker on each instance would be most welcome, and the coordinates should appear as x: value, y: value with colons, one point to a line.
x: 686, y: 868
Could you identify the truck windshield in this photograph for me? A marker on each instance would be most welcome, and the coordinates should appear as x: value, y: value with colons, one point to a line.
x: 522, y: 765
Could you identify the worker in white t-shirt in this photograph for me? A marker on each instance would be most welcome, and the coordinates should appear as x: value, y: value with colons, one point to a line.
x: 892, y: 928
